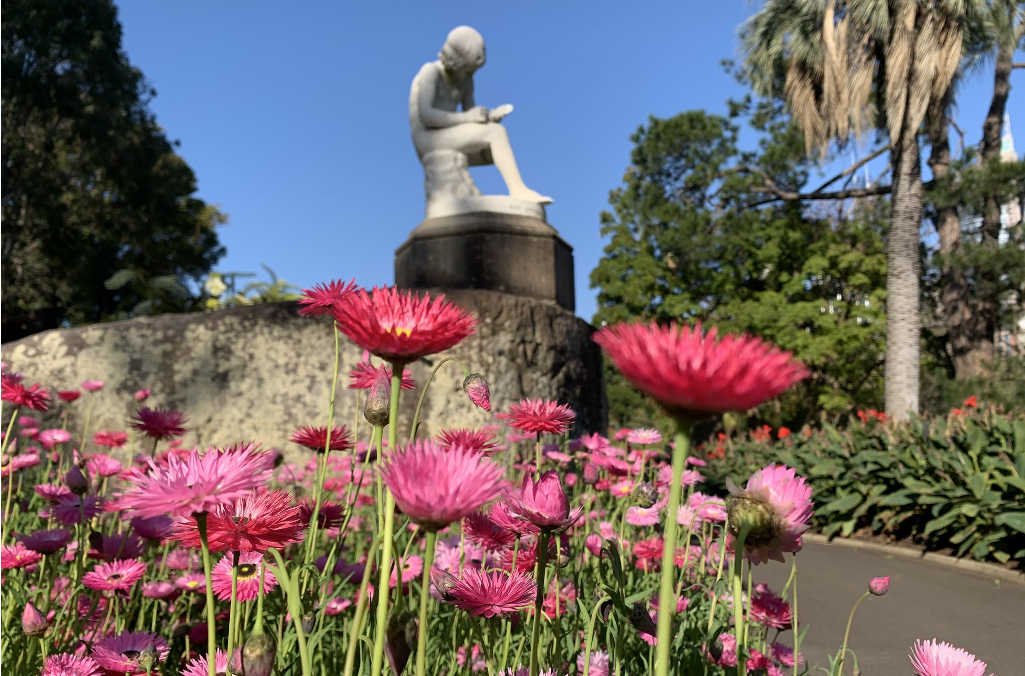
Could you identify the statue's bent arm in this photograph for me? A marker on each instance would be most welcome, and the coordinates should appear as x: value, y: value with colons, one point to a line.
x: 431, y: 117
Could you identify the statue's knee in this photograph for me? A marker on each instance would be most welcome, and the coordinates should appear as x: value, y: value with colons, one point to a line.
x: 496, y: 131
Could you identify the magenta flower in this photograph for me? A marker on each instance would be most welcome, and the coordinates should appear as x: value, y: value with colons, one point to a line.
x: 201, y: 667
x: 110, y: 439
x: 117, y: 546
x: 481, y: 441
x: 489, y: 593
x: 47, y: 541
x: 878, y: 586
x: 366, y: 374
x: 769, y: 609
x: 92, y: 385
x: 158, y: 590
x: 477, y: 390
x: 195, y: 482
x: 33, y: 622
x: 143, y: 394
x: 159, y: 423
x: 52, y: 493
x: 315, y: 438
x: 693, y: 372
x: 786, y: 500
x: 68, y: 395
x: 34, y: 397
x: 256, y: 522
x: 412, y: 567
x: 544, y: 503
x: 932, y: 658
x: 400, y: 326
x: 643, y: 516
x: 599, y: 663
x: 114, y: 575
x: 77, y: 509
x: 502, y: 514
x: 539, y: 416
x: 248, y: 577
x: 121, y: 654
x: 154, y: 528
x: 479, y: 528
x: 18, y: 556
x: 322, y: 297
x: 50, y: 438
x: 103, y: 465
x: 435, y: 486
x: 192, y: 582
x: 67, y: 664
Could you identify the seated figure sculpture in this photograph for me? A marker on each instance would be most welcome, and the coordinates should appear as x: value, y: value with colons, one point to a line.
x: 451, y: 132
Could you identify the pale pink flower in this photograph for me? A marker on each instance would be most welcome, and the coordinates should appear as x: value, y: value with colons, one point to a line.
x: 92, y: 385
x: 644, y: 436
x: 788, y: 497
x: 199, y: 666
x: 247, y: 578
x: 599, y: 663
x: 67, y: 664
x: 643, y: 516
x: 932, y: 658
x: 489, y: 593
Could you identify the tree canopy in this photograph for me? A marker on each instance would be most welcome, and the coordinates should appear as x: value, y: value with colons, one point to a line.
x: 100, y: 220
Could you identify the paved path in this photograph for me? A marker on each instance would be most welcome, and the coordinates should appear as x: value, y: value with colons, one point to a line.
x: 983, y: 615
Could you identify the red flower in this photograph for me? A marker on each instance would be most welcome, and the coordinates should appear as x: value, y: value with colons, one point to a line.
x: 400, y: 326
x: 970, y: 402
x: 322, y: 297
x: 255, y: 523
x: 159, y: 423
x: 315, y: 438
x: 68, y: 395
x: 34, y: 397
x: 690, y: 371
x: 481, y: 441
x: 110, y: 439
x: 782, y: 433
x: 481, y: 529
x: 537, y: 416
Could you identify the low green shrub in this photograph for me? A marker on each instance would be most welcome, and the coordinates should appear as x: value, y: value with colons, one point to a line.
x: 948, y: 483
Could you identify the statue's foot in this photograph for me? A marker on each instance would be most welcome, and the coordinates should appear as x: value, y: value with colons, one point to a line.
x: 529, y: 195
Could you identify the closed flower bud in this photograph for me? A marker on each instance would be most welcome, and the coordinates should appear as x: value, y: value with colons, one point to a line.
x: 33, y: 622
x: 477, y: 390
x: 148, y: 659
x: 879, y: 585
x: 751, y: 514
x: 258, y: 655
x: 646, y: 495
x: 378, y: 400
x: 76, y: 481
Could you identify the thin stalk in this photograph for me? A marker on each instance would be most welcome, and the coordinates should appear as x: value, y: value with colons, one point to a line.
x: 211, y: 615
x: 85, y: 427
x: 718, y: 576
x: 537, y: 454
x: 737, y: 579
x: 421, y: 634
x: 666, y: 600
x: 10, y: 428
x: 233, y: 606
x: 797, y: 633
x: 588, y: 638
x: 357, y: 622
x: 846, y: 634
x: 423, y: 393
x: 318, y: 495
x: 535, y: 634
x: 258, y: 627
x: 376, y: 657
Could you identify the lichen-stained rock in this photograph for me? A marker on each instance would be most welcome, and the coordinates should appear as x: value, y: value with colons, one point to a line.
x: 259, y: 372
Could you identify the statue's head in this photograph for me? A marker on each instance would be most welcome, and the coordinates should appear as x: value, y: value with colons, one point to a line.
x: 463, y: 51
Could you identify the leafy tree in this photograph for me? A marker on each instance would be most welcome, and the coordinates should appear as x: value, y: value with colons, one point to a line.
x: 686, y: 245
x: 843, y: 66
x: 99, y: 217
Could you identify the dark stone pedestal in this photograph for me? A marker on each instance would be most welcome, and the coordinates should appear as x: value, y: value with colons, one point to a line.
x: 515, y: 254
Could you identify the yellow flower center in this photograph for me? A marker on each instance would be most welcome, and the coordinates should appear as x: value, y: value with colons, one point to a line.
x: 401, y: 331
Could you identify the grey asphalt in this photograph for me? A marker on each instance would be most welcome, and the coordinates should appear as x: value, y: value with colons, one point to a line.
x: 981, y: 614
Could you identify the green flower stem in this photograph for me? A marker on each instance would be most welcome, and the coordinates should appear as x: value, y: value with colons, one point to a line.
x: 537, y: 454
x: 589, y: 637
x: 88, y: 418
x: 7, y: 505
x: 258, y: 628
x: 718, y: 576
x: 10, y: 428
x: 666, y: 600
x: 421, y: 634
x: 737, y: 579
x: 413, y: 429
x: 318, y: 494
x: 796, y: 627
x: 233, y: 607
x: 381, y: 628
x: 289, y: 585
x: 361, y: 605
x: 211, y: 614
x: 846, y: 635
x: 535, y: 634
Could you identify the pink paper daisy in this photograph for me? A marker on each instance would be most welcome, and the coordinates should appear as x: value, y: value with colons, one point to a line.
x: 67, y: 664
x: 322, y: 297
x: 400, y: 326
x: 255, y: 522
x: 195, y: 482
x: 315, y: 438
x: 544, y: 503
x: 599, y: 663
x: 248, y: 577
x: 644, y: 436
x: 932, y: 658
x: 366, y: 374
x: 159, y: 590
x: 52, y: 493
x: 50, y: 438
x: 769, y: 609
x: 199, y: 666
x: 540, y: 416
x: 412, y: 567
x: 160, y: 423
x: 481, y: 441
x: 110, y: 439
x: 787, y: 499
x: 693, y: 372
x: 435, y: 486
x: 114, y: 575
x: 34, y: 397
x: 121, y: 654
x: 47, y: 541
x: 92, y: 385
x: 18, y: 556
x: 68, y: 395
x: 489, y: 593
x: 479, y: 528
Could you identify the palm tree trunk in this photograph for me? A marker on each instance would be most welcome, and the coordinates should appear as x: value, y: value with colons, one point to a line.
x: 903, y: 275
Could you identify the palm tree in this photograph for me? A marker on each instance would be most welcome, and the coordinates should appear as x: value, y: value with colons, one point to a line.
x: 844, y: 66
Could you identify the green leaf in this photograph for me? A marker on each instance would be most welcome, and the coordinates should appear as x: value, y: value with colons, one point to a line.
x: 941, y: 522
x: 969, y: 509
x: 119, y: 279
x: 896, y: 499
x: 977, y: 484
x: 1015, y: 520
x: 842, y: 504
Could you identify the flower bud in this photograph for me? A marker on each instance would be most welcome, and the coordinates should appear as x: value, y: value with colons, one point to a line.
x: 76, y: 481
x: 477, y: 390
x: 147, y: 659
x: 33, y: 622
x: 752, y: 515
x: 878, y: 586
x: 378, y: 400
x: 258, y: 655
x: 646, y: 495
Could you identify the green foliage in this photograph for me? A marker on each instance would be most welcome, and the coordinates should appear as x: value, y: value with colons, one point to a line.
x: 955, y: 482
x: 100, y: 221
x: 684, y: 245
x: 222, y: 292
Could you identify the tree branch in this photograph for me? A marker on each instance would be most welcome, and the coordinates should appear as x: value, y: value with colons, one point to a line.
x: 787, y: 196
x: 1018, y: 65
x: 851, y: 169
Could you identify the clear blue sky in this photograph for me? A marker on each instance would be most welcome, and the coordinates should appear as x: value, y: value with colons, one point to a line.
x: 294, y: 116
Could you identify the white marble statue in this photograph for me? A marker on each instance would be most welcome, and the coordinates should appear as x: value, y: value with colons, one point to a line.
x: 451, y: 132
